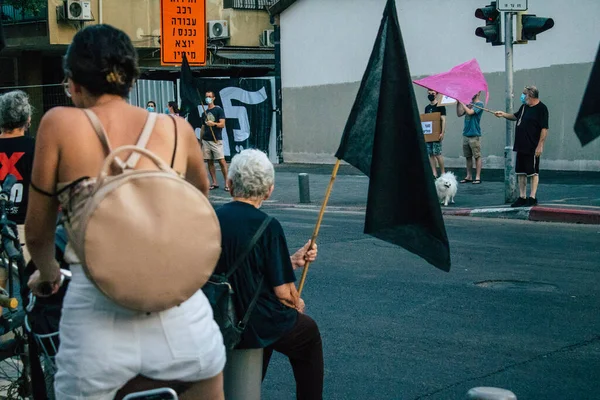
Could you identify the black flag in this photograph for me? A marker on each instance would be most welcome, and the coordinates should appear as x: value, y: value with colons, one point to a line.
x: 587, y: 124
x: 190, y: 98
x: 383, y: 138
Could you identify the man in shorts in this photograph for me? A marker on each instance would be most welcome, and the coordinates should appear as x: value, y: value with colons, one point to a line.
x: 213, y: 122
x: 434, y: 149
x: 472, y: 137
x: 530, y: 135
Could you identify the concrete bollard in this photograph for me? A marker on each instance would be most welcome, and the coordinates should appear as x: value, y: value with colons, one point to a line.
x: 304, y: 188
x: 242, y: 376
x: 490, y: 393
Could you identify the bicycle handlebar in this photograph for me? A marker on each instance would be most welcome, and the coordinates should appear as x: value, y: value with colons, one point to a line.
x: 8, y: 302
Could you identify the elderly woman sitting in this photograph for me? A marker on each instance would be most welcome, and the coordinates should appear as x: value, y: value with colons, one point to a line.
x: 278, y: 321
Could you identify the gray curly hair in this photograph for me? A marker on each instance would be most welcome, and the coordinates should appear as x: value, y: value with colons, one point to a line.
x: 252, y: 174
x: 15, y: 110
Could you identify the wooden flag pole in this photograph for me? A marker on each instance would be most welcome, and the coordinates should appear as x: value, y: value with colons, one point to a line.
x: 483, y: 108
x: 313, y: 239
x: 204, y: 110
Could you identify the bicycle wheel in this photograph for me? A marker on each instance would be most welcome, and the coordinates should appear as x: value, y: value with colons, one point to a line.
x: 15, y: 382
x: 49, y: 369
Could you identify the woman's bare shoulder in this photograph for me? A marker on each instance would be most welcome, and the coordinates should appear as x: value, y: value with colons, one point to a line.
x: 62, y: 117
x: 62, y: 112
x: 59, y: 121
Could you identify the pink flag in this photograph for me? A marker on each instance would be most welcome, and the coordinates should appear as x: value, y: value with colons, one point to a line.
x: 461, y: 82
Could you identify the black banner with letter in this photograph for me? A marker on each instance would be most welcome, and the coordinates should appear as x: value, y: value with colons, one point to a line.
x: 248, y: 106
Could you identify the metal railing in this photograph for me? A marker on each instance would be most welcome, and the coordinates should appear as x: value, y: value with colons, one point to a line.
x: 12, y: 15
x: 248, y: 4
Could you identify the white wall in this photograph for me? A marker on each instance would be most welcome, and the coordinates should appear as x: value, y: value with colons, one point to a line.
x: 329, y: 41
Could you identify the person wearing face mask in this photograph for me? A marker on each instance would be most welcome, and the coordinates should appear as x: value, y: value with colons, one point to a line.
x: 471, y: 137
x: 434, y: 149
x: 213, y: 122
x: 151, y: 106
x: 530, y: 136
x: 172, y: 108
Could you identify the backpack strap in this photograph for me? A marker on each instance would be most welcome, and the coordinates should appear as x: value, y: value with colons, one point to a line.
x: 99, y: 129
x: 249, y: 248
x: 143, y: 140
x: 175, y: 146
x: 244, y: 321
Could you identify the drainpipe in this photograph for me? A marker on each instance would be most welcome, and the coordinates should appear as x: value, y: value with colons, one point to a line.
x: 278, y: 97
x: 100, y: 19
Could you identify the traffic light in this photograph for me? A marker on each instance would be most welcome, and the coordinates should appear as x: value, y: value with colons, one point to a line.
x: 493, y: 24
x: 528, y: 26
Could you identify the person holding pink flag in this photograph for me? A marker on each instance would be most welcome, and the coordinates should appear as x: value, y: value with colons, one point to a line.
x: 471, y: 136
x: 530, y: 135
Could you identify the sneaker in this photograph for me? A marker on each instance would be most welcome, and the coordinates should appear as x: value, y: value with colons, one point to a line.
x: 521, y: 202
x: 531, y: 201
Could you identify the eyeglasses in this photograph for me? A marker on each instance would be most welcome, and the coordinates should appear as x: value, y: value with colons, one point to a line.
x: 65, y: 84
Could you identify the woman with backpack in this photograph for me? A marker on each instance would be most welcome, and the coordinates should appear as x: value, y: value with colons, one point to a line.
x: 105, y: 341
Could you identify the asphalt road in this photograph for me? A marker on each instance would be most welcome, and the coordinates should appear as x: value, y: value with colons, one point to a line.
x: 519, y: 310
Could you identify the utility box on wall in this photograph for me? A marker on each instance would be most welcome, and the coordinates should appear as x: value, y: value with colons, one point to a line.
x: 75, y: 10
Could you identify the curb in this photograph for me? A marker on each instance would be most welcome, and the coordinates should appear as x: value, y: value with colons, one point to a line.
x: 582, y: 215
x: 536, y: 213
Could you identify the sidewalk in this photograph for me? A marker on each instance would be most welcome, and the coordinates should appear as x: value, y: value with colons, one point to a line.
x: 563, y: 196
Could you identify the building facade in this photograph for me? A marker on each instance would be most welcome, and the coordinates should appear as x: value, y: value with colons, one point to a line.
x: 38, y: 35
x: 325, y: 48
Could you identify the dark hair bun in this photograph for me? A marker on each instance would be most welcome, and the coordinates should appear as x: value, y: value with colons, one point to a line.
x: 102, y: 59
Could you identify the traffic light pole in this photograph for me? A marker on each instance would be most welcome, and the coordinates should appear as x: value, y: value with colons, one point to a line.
x: 510, y: 184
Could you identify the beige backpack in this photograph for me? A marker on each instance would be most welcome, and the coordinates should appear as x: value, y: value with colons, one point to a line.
x: 147, y: 239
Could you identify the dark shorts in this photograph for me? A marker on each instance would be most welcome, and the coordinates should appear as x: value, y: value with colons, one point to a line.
x: 434, y: 148
x: 527, y: 164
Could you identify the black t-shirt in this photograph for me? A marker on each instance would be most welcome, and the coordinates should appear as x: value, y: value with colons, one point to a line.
x: 434, y: 108
x: 270, y: 258
x: 215, y: 114
x: 16, y: 158
x: 530, y: 122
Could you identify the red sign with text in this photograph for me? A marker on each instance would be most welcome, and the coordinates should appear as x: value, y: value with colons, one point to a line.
x: 183, y: 30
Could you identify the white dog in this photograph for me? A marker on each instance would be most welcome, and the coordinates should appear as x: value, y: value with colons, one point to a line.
x: 446, y: 187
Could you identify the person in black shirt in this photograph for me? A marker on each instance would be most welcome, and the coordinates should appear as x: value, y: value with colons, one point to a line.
x: 16, y: 158
x: 434, y: 149
x: 278, y: 321
x: 213, y: 122
x: 530, y: 135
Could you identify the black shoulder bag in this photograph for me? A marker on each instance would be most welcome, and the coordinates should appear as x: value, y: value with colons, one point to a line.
x: 220, y: 294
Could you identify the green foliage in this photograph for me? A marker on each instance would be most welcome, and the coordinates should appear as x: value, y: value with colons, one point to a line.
x: 27, y: 6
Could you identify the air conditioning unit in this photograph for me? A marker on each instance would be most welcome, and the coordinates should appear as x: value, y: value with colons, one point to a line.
x: 75, y: 10
x: 267, y: 38
x: 218, y: 29
x: 78, y: 10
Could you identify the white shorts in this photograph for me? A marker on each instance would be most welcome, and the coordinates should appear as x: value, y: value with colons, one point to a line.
x: 104, y: 345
